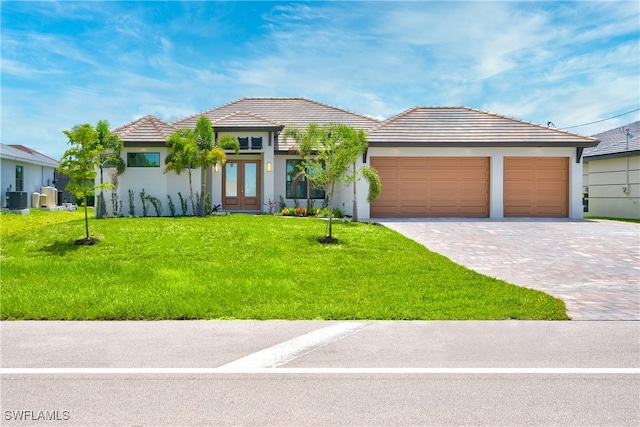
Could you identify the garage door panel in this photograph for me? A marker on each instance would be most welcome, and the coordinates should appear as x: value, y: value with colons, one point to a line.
x: 432, y: 186
x: 408, y: 175
x: 386, y: 163
x: 411, y: 163
x: 536, y: 186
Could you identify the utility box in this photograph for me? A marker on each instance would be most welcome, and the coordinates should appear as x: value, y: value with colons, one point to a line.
x: 17, y: 200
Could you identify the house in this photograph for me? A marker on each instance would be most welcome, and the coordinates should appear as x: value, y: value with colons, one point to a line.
x: 432, y: 161
x: 24, y: 172
x: 611, y: 177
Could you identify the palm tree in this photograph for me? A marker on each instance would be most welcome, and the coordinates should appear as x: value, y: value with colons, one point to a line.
x: 191, y: 148
x: 182, y: 157
x: 210, y: 153
x: 110, y: 147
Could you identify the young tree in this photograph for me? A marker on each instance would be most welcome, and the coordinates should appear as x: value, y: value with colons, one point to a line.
x: 192, y: 148
x: 80, y: 163
x: 332, y: 154
x: 109, y: 157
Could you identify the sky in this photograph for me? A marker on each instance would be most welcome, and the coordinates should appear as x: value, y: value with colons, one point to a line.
x: 65, y: 63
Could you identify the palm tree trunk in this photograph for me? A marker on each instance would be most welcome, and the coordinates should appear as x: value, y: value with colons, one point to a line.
x: 331, y: 212
x: 203, y: 185
x: 354, y: 213
x: 101, y: 206
x: 193, y: 205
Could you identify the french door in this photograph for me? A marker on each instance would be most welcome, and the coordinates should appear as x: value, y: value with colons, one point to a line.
x: 241, y: 185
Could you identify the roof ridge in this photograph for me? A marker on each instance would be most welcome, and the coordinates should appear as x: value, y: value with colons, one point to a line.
x: 248, y: 113
x: 529, y: 123
x: 393, y: 119
x: 338, y: 108
x: 477, y: 110
x: 131, y: 125
x: 202, y: 113
x: 266, y: 98
x: 156, y: 124
x: 31, y: 151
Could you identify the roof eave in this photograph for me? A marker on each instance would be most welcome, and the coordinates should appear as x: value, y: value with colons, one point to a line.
x: 145, y: 143
x: 445, y: 144
x: 619, y: 154
x: 247, y: 128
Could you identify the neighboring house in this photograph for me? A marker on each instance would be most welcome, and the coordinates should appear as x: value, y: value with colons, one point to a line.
x: 612, y: 174
x: 432, y: 161
x: 24, y: 171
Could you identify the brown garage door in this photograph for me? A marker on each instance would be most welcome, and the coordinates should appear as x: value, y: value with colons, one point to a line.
x: 536, y: 186
x: 432, y: 187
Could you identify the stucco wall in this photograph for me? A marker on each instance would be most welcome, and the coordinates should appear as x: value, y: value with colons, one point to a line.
x: 613, y: 187
x: 155, y: 183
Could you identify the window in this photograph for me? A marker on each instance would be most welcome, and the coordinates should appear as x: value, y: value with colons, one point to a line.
x: 143, y: 160
x: 244, y: 143
x: 293, y: 170
x: 19, y: 178
x: 256, y: 143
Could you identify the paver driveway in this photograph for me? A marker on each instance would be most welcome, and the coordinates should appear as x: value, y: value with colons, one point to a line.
x: 592, y: 265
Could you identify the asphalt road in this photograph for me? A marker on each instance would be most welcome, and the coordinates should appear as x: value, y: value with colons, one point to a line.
x: 320, y: 373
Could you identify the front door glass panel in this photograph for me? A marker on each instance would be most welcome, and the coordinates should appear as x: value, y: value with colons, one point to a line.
x: 231, y: 188
x: 250, y: 179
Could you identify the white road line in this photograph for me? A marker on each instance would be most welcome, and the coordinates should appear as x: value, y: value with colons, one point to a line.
x: 285, y: 352
x: 322, y: 371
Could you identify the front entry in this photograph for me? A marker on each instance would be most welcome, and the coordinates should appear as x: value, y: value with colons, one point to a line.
x: 241, y: 185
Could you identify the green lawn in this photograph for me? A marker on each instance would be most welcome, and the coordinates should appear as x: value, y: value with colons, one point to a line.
x: 240, y: 267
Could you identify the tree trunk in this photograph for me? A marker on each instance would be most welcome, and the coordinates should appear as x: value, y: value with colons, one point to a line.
x: 86, y: 216
x: 203, y: 186
x: 308, y: 195
x: 354, y: 214
x: 193, y: 204
x: 101, y: 206
x: 331, y: 212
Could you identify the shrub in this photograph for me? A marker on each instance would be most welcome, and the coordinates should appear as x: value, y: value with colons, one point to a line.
x: 338, y: 213
x: 156, y: 203
x: 183, y: 204
x: 143, y: 197
x: 116, y: 204
x: 91, y: 198
x: 132, y: 206
x: 172, y: 207
x: 271, y: 204
x: 300, y: 211
x: 207, y: 204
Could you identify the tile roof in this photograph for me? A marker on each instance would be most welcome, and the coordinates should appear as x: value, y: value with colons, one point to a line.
x: 614, y: 141
x: 245, y: 119
x: 27, y: 155
x: 286, y: 111
x: 146, y: 129
x: 463, y: 126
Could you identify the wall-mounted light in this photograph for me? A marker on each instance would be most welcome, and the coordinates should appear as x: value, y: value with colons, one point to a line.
x: 268, y: 166
x: 216, y: 168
